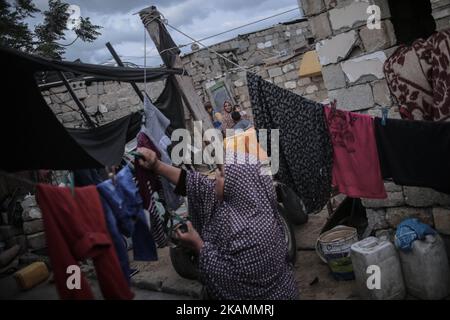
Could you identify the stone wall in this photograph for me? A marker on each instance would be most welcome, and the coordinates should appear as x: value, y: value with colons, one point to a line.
x: 352, y: 58
x: 104, y: 101
x: 274, y: 53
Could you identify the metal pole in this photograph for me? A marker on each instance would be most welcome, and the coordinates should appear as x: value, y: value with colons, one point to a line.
x: 88, y: 119
x: 120, y: 63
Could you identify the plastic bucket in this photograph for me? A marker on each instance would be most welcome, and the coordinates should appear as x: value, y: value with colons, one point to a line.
x: 333, y: 247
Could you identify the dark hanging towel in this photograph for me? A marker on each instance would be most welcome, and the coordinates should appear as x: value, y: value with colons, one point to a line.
x: 415, y: 153
x: 306, y: 152
x: 106, y: 144
x: 171, y: 104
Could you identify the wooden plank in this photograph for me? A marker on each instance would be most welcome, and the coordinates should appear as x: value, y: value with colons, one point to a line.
x: 151, y: 19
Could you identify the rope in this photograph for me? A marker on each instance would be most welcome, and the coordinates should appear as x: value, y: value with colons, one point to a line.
x: 210, y: 50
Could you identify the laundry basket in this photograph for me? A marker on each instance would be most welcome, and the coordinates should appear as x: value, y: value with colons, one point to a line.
x: 333, y: 247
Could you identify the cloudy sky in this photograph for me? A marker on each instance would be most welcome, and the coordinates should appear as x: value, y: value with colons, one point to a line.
x: 198, y: 18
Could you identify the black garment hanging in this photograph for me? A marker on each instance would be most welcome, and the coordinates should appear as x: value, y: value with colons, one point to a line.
x: 106, y: 144
x: 31, y: 137
x: 35, y: 63
x: 171, y: 104
x: 305, y: 149
x: 415, y: 153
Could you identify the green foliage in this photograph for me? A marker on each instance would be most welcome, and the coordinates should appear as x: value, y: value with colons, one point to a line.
x: 47, y: 37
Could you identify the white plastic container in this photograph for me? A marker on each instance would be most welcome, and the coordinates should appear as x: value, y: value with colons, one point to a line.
x: 382, y: 258
x: 426, y: 269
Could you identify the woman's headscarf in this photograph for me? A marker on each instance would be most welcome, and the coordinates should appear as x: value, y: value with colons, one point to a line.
x: 227, y: 120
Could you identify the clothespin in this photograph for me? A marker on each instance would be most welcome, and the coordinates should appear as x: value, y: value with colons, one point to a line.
x: 384, y: 115
x: 111, y: 174
x: 72, y: 183
x: 333, y: 105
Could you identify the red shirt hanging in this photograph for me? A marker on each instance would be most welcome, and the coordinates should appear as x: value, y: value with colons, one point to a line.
x: 356, y: 168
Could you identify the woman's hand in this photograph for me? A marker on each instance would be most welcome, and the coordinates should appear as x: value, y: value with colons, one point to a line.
x: 190, y: 239
x: 150, y: 160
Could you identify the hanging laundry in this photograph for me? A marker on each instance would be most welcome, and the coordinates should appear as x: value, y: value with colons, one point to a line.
x: 106, y: 143
x: 155, y: 128
x: 75, y: 230
x: 28, y: 128
x: 306, y: 152
x: 170, y: 104
x: 356, y: 169
x: 149, y: 183
x: 418, y: 77
x: 415, y: 153
x: 122, y: 196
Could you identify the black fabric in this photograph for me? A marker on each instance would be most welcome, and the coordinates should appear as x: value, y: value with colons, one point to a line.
x: 415, y: 153
x: 31, y: 137
x: 35, y: 63
x: 106, y: 144
x: 180, y: 189
x: 306, y: 152
x: 171, y: 104
x: 168, y: 48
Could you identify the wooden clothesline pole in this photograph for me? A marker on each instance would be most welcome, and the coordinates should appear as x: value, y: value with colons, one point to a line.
x: 151, y: 18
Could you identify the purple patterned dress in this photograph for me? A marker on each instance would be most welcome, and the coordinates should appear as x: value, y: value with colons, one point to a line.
x: 245, y: 255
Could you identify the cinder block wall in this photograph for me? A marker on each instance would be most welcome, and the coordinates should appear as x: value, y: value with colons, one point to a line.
x: 352, y: 58
x: 274, y: 53
x: 104, y: 101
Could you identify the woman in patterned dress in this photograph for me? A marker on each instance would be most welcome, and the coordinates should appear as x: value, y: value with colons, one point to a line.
x: 236, y: 229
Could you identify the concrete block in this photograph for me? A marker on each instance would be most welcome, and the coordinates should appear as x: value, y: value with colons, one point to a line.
x: 333, y: 76
x: 396, y: 215
x: 275, y: 72
x: 311, y: 89
x: 381, y: 93
x: 354, y: 14
x: 312, y: 7
x: 392, y: 187
x: 376, y: 219
x: 337, y: 48
x: 288, y: 67
x: 290, y: 85
x: 394, y: 199
x: 36, y: 241
x: 32, y: 213
x: 358, y: 97
x: 28, y: 201
x: 441, y: 217
x: 33, y: 226
x: 378, y: 39
x: 425, y: 197
x: 320, y: 26
x: 304, y: 82
x: 369, y: 67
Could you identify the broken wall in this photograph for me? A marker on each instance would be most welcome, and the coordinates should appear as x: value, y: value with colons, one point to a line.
x: 352, y: 58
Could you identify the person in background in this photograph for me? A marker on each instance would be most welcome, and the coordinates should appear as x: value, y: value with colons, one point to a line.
x: 239, y: 123
x: 216, y: 117
x: 242, y: 112
x: 236, y: 229
x: 227, y: 120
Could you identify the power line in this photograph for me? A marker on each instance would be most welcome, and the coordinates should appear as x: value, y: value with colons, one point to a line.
x: 209, y: 49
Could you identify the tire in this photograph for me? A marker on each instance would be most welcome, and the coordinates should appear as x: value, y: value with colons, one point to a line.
x: 184, y: 262
x: 293, y: 206
x: 289, y: 234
